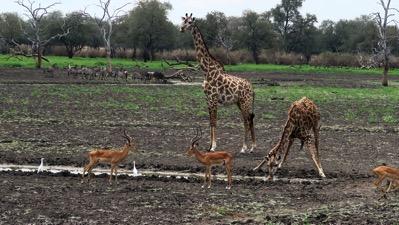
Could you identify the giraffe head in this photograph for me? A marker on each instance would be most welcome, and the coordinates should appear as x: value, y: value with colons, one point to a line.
x: 188, y: 22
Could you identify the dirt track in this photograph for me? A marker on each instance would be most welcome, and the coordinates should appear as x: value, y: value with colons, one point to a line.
x: 42, y: 118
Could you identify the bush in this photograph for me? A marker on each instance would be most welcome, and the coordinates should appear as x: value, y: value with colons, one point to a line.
x: 241, y: 56
x: 123, y: 53
x: 330, y: 59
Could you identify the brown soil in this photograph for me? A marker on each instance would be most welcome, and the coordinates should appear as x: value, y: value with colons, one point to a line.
x: 36, y: 124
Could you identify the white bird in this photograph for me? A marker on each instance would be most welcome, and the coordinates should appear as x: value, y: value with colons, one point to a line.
x: 40, y: 169
x: 135, y: 172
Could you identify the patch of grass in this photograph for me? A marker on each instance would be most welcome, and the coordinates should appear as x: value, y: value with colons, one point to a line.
x: 373, y: 118
x: 268, y: 116
x: 389, y: 119
x: 350, y: 115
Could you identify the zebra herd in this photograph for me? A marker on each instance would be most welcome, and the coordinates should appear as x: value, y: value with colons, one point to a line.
x: 100, y: 73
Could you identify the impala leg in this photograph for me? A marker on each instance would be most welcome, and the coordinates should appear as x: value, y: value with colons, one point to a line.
x: 85, y: 169
x: 116, y: 174
x: 377, y: 184
x: 391, y: 184
x: 112, y: 171
x: 88, y: 169
x: 209, y: 176
x: 394, y: 183
x: 206, y: 174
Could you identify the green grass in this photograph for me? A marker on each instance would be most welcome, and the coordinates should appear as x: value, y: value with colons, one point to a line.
x: 160, y: 65
x: 349, y: 104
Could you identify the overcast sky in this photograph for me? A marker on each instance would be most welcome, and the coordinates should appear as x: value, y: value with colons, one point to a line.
x: 323, y: 9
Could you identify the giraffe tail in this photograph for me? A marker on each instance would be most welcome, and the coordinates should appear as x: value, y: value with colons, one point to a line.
x: 251, y: 120
x: 302, y: 143
x: 252, y: 114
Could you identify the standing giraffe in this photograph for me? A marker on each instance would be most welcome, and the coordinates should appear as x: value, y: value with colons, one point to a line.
x: 219, y: 87
x: 303, y: 116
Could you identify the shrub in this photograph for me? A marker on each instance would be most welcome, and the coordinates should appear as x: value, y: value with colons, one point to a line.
x: 330, y: 59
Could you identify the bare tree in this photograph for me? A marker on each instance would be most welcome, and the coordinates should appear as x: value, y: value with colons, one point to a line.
x: 225, y: 36
x: 104, y: 25
x: 383, y: 50
x: 35, y: 16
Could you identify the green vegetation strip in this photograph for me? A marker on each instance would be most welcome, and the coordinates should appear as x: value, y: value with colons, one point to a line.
x: 351, y: 104
x: 64, y: 62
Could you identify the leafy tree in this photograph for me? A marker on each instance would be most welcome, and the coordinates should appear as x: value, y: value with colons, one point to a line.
x: 149, y: 26
x: 327, y: 37
x: 355, y: 35
x: 284, y: 16
x: 51, y: 25
x: 302, y: 37
x: 255, y: 33
x: 83, y: 33
x: 121, y: 34
x: 211, y: 26
x: 8, y: 32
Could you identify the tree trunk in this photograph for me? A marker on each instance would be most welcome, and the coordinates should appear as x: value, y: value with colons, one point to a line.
x: 385, y: 75
x: 108, y: 56
x: 38, y: 63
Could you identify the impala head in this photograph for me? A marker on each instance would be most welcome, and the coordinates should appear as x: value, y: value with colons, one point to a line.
x: 188, y: 22
x: 129, y: 143
x: 193, y: 142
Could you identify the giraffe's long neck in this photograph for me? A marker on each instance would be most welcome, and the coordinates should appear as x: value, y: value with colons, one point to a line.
x: 204, y: 57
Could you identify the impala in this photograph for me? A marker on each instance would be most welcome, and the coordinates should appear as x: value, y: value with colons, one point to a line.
x: 388, y: 173
x: 113, y: 157
x: 209, y: 159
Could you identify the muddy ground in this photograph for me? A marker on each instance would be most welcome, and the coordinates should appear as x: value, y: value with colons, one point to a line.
x: 41, y: 118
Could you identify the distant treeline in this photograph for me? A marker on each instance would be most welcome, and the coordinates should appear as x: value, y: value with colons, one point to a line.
x: 278, y: 36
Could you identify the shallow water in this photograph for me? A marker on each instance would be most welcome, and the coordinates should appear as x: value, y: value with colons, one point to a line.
x: 175, y: 174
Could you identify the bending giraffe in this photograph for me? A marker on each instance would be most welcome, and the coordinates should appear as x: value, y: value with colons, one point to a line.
x: 219, y: 87
x: 303, y: 116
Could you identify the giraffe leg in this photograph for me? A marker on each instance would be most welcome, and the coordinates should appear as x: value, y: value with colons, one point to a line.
x: 245, y: 116
x: 212, y: 107
x: 285, y: 152
x: 252, y: 129
x: 312, y: 154
x: 212, y: 148
x: 316, y: 129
